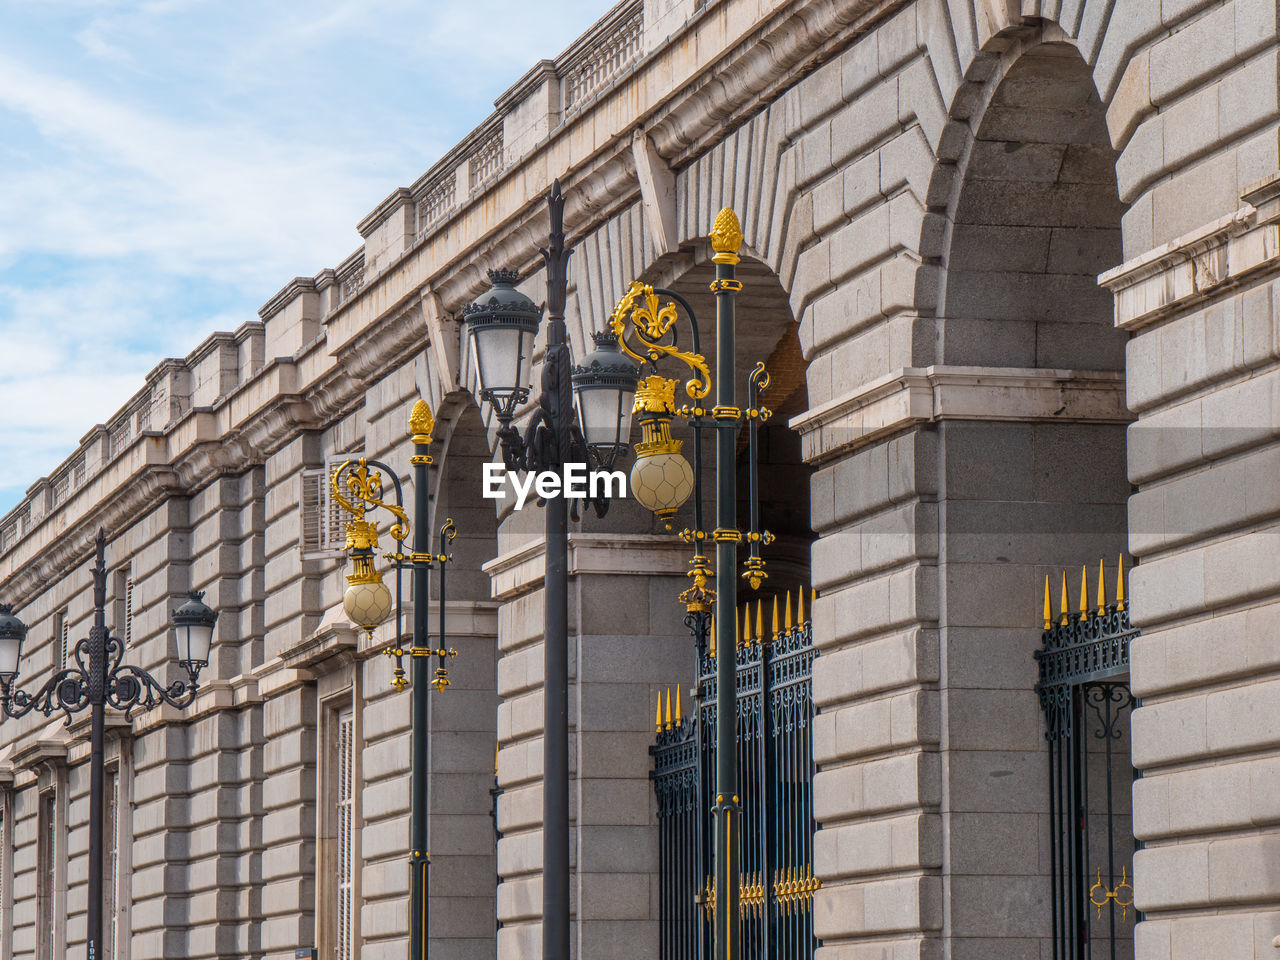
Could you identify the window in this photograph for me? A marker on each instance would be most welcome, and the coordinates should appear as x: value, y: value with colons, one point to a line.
x: 323, y: 533
x: 46, y: 884
x: 61, y: 635
x: 124, y: 604
x: 337, y: 866
x: 346, y: 860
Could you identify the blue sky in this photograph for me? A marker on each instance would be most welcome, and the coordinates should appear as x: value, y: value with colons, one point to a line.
x: 167, y: 165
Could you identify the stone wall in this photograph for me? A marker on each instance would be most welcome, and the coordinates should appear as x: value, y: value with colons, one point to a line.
x: 925, y: 189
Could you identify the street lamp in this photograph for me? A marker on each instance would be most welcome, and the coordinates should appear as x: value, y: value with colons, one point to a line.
x: 99, y: 679
x: 501, y: 326
x: 662, y: 480
x: 368, y: 603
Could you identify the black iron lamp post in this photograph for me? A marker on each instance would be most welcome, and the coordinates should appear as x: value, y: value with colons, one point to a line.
x: 502, y: 325
x: 368, y: 602
x: 100, y: 679
x: 662, y: 480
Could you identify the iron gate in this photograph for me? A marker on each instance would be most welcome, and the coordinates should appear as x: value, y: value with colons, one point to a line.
x: 775, y: 763
x: 1084, y: 691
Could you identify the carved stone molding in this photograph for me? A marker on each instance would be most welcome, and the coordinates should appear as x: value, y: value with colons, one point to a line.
x: 521, y: 570
x: 915, y: 395
x: 1200, y: 265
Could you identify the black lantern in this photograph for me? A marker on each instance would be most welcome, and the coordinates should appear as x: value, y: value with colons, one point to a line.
x: 502, y: 324
x: 604, y: 391
x: 12, y: 632
x: 193, y: 626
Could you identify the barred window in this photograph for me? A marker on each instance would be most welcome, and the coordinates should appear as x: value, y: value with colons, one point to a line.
x: 346, y: 861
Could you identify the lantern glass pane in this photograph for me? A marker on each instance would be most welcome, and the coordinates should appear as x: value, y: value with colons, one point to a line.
x: 502, y: 357
x: 194, y: 641
x: 604, y: 413
x: 10, y: 649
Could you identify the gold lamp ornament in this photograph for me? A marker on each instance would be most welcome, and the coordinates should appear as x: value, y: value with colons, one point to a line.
x: 661, y: 478
x: 367, y: 602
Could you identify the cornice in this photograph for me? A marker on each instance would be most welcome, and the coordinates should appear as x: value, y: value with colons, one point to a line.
x: 372, y: 352
x: 286, y: 295
x: 41, y: 748
x: 378, y: 216
x: 335, y: 639
x: 1198, y: 266
x: 534, y: 77
x: 755, y: 72
x: 914, y: 395
x: 521, y: 570
x: 132, y: 498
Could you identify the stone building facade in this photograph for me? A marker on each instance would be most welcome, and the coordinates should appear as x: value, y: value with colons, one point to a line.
x: 1021, y: 259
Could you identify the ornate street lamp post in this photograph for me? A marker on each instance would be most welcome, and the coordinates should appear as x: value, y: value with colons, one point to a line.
x: 502, y: 325
x: 368, y: 603
x: 99, y: 679
x: 662, y: 480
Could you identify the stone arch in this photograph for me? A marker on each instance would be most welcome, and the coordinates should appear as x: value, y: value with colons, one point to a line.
x: 458, y: 495
x: 1032, y: 219
x: 1024, y: 489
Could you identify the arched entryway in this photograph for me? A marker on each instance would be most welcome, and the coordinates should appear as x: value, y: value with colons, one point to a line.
x: 1036, y: 486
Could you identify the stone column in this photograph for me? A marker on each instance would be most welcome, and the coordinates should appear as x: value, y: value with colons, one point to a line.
x: 1205, y: 456
x: 627, y: 641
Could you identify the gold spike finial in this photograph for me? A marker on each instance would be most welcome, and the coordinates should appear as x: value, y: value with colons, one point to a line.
x: 421, y: 422
x: 800, y: 611
x: 711, y: 638
x: 759, y: 619
x: 1064, y: 598
x: 1102, y: 589
x: 788, y: 611
x: 657, y: 720
x: 1120, y: 584
x: 679, y: 709
x: 744, y: 624
x: 1048, y: 611
x: 777, y: 624
x: 726, y: 237
x: 668, y: 717
x: 1084, y: 590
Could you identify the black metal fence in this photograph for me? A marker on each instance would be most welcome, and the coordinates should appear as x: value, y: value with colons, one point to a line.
x: 1084, y: 691
x: 775, y: 744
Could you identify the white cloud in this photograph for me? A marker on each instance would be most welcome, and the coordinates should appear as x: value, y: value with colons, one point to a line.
x: 169, y: 164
